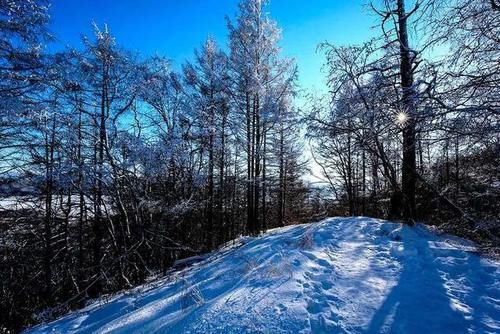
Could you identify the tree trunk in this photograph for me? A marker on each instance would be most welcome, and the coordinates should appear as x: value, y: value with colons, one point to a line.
x: 49, y: 175
x: 409, y: 156
x: 350, y: 190
x: 221, y: 198
x: 81, y: 198
x: 281, y: 188
x: 264, y: 215
x: 257, y: 165
x: 98, y: 219
x: 250, y: 157
x: 210, y: 213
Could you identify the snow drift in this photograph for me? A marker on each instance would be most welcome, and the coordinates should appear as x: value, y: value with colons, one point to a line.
x: 342, y: 275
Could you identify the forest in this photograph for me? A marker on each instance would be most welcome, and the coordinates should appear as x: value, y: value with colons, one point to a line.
x: 114, y: 165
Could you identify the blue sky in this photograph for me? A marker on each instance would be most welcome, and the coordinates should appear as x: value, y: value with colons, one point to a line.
x: 174, y: 28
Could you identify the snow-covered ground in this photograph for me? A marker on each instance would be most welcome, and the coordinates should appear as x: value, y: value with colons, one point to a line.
x: 343, y: 275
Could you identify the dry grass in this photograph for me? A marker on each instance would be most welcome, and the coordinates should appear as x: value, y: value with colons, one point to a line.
x: 307, y: 239
x: 190, y: 296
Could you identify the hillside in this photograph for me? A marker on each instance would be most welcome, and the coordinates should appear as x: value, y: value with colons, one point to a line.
x: 342, y: 275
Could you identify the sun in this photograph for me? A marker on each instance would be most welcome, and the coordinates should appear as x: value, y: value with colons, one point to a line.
x: 401, y: 118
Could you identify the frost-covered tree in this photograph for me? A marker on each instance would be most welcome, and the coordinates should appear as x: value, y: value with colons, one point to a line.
x: 408, y: 110
x: 23, y: 33
x: 109, y: 75
x: 208, y: 83
x: 260, y: 80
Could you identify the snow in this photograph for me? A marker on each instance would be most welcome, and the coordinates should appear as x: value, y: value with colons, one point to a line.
x: 342, y: 275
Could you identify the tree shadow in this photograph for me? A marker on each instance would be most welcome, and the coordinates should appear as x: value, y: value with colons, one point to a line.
x: 419, y: 302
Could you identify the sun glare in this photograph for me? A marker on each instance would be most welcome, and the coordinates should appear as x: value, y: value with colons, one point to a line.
x: 401, y: 118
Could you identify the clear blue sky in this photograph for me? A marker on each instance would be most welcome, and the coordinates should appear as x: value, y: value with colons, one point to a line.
x: 174, y: 28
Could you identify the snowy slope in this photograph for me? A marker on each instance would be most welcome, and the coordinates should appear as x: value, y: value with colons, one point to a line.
x: 343, y: 275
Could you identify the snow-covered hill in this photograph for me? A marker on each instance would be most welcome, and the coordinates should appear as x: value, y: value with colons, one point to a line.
x: 343, y: 275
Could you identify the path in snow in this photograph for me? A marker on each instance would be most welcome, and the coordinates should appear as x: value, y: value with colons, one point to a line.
x: 343, y: 275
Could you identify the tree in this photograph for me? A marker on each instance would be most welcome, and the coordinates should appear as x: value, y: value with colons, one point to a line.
x: 261, y: 79
x: 108, y: 73
x: 208, y: 81
x: 23, y: 30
